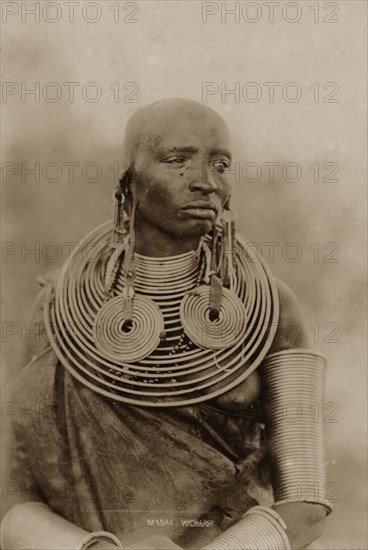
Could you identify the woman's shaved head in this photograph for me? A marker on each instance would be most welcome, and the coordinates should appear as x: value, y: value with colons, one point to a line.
x: 176, y: 155
x: 148, y: 126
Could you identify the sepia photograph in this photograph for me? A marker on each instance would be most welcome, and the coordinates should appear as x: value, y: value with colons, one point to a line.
x: 184, y: 275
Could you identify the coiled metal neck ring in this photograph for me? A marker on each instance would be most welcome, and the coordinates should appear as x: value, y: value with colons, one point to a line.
x: 177, y: 371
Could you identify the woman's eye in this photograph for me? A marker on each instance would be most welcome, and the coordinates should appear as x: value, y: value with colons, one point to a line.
x: 221, y: 166
x: 175, y: 160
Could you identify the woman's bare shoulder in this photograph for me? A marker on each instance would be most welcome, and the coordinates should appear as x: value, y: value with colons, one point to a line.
x: 291, y: 330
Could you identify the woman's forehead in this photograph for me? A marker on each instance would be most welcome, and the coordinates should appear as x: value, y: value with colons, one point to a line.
x: 189, y: 135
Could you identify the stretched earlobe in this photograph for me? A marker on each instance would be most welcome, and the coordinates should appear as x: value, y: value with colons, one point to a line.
x: 124, y: 183
x: 121, y: 193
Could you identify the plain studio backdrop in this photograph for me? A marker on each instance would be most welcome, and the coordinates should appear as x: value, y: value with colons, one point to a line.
x: 289, y: 79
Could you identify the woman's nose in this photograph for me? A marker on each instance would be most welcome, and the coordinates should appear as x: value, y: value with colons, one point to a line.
x: 203, y: 180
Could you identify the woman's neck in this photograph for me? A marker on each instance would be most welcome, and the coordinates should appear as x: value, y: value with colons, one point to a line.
x: 154, y: 242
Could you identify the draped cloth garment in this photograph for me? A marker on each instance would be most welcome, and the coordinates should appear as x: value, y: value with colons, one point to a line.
x: 133, y: 471
x: 184, y: 472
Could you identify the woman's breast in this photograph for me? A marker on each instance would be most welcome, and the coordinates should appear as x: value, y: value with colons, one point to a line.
x: 231, y: 424
x: 238, y: 399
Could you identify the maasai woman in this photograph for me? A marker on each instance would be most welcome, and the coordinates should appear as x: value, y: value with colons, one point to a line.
x: 159, y: 400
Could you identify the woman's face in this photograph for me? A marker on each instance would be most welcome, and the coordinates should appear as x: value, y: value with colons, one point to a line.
x: 180, y: 174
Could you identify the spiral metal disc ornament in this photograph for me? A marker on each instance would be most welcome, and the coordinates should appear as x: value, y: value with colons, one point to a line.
x: 127, y: 341
x: 90, y: 338
x: 220, y: 333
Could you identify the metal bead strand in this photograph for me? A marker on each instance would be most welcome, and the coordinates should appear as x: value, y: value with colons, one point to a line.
x: 260, y: 529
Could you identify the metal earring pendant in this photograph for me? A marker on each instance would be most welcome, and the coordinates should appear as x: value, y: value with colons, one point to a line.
x: 207, y: 332
x: 228, y: 249
x: 128, y: 327
x: 117, y: 243
x: 118, y: 200
x: 212, y: 316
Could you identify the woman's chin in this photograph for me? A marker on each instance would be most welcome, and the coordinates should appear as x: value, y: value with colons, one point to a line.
x: 198, y: 227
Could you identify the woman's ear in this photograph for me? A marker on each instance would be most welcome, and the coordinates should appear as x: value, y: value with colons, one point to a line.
x: 126, y: 183
x: 122, y: 187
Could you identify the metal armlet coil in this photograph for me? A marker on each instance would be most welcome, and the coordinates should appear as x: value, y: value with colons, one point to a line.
x: 294, y: 384
x: 293, y: 387
x: 260, y: 528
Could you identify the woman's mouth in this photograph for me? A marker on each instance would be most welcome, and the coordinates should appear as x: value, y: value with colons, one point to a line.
x: 201, y: 209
